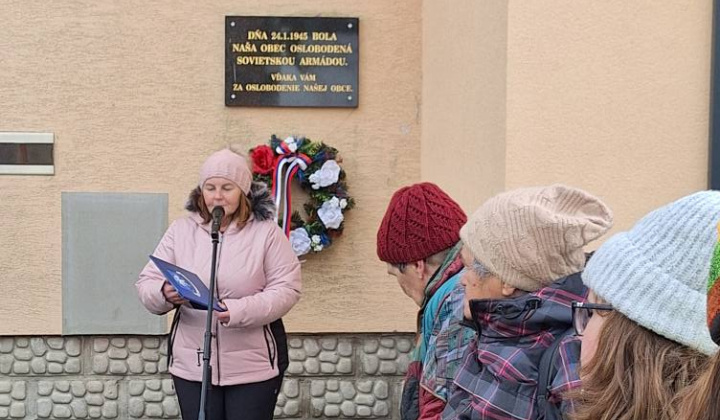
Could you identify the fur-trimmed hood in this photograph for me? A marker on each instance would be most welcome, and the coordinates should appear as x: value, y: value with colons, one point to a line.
x: 261, y: 201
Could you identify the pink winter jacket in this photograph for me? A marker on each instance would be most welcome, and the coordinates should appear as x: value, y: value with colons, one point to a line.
x: 258, y: 278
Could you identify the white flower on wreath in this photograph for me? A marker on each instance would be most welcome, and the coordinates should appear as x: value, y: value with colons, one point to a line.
x: 331, y: 214
x: 317, y: 248
x: 327, y: 175
x: 315, y: 240
x: 343, y: 203
x: 300, y: 241
x: 291, y: 143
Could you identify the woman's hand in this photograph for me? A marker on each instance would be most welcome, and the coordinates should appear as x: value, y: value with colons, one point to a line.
x: 171, y: 295
x: 223, y: 317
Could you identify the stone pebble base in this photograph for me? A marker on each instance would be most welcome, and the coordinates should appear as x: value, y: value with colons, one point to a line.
x: 125, y: 377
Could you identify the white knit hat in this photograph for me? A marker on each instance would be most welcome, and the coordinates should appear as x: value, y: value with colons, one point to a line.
x: 656, y: 274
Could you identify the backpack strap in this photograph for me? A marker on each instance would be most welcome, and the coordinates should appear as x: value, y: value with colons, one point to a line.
x: 546, y: 374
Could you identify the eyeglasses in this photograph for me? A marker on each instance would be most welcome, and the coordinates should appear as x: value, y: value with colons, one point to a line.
x: 582, y: 312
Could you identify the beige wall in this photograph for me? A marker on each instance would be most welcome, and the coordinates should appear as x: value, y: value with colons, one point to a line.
x: 611, y: 96
x: 479, y: 97
x: 463, y: 103
x: 134, y: 94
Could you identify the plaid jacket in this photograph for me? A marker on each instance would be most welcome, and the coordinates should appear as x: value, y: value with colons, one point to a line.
x: 567, y: 377
x: 440, y: 343
x: 498, y: 377
x: 448, y: 339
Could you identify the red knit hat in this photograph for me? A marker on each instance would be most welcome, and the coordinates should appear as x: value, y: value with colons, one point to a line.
x: 421, y: 220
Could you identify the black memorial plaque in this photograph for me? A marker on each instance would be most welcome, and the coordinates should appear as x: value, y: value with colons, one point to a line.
x: 291, y: 61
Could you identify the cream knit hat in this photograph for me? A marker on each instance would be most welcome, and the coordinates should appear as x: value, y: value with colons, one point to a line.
x: 530, y: 237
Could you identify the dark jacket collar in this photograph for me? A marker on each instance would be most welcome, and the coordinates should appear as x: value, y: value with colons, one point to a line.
x: 263, y: 206
x: 549, y: 308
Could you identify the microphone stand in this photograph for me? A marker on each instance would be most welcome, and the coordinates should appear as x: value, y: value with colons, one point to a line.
x: 206, y: 378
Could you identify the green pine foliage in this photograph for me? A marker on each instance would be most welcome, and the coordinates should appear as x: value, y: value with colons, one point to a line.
x: 319, y: 153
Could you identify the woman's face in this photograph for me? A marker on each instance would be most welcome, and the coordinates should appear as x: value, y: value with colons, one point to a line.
x: 221, y: 192
x: 489, y: 287
x: 592, y: 332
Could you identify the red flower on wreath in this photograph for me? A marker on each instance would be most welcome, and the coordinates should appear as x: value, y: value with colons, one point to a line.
x: 263, y: 160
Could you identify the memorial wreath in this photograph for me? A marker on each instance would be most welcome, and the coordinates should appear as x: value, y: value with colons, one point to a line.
x: 317, y: 168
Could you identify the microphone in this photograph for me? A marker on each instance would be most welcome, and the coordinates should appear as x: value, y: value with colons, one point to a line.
x: 217, y: 214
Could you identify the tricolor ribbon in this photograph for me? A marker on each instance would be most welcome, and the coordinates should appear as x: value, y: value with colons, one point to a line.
x: 285, y: 170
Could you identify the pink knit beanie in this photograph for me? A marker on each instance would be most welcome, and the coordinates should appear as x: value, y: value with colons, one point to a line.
x: 229, y: 165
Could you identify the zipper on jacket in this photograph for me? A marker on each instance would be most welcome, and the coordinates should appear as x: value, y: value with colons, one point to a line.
x: 271, y: 354
x: 171, y: 336
x: 276, y: 357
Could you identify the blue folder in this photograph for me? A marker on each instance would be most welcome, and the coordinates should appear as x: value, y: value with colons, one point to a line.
x: 187, y: 284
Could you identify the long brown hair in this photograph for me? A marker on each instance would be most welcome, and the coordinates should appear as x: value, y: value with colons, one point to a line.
x: 241, y: 215
x: 701, y: 400
x: 634, y: 374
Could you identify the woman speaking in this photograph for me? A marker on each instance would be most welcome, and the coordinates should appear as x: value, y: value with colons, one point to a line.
x: 257, y: 281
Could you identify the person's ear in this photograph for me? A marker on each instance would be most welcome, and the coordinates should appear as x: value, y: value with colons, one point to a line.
x: 508, y: 290
x: 419, y: 268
